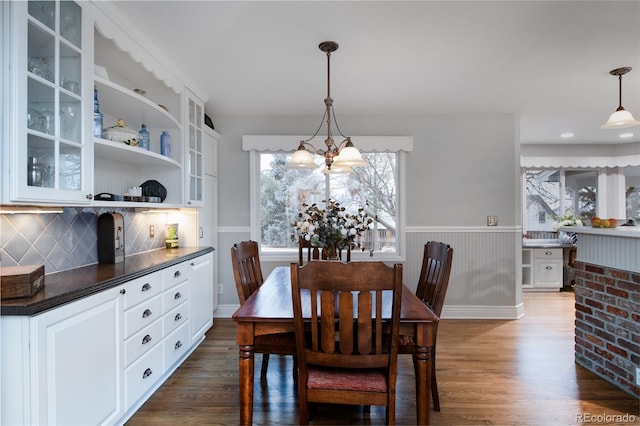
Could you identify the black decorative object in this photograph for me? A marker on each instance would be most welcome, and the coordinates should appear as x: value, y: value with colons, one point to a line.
x: 153, y: 188
x: 207, y: 121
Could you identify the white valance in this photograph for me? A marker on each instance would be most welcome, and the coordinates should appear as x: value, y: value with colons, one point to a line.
x: 291, y: 142
x: 579, y: 162
x: 580, y: 156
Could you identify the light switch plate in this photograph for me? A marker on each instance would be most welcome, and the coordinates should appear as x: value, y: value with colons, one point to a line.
x: 492, y: 220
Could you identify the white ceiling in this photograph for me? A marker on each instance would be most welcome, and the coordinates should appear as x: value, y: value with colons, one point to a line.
x: 546, y: 61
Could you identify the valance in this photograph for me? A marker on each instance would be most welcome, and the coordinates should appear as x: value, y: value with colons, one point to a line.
x: 291, y: 142
x: 579, y: 155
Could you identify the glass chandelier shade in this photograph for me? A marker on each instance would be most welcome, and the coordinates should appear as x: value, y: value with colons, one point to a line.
x: 621, y: 118
x: 340, y: 158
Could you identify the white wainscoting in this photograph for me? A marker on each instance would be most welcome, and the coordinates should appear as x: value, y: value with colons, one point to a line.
x: 485, y: 280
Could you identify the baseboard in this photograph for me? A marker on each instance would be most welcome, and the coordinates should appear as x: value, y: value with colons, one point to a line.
x: 225, y: 311
x: 483, y: 312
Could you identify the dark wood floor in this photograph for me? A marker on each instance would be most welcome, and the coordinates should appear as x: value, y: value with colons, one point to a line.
x: 494, y: 372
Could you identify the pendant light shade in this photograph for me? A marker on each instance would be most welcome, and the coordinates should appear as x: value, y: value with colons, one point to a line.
x: 621, y: 118
x: 340, y: 158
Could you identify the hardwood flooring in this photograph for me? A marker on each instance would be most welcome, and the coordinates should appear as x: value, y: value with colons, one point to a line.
x: 490, y: 372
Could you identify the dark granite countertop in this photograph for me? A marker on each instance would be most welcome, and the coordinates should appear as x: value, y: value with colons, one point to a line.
x: 67, y: 286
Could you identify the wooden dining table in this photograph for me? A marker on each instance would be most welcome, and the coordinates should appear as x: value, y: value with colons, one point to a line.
x: 269, y: 311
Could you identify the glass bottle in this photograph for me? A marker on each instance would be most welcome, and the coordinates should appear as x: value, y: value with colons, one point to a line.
x: 165, y: 144
x: 144, y: 138
x: 97, y: 115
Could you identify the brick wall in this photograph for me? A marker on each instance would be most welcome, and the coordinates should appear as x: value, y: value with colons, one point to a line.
x: 608, y: 324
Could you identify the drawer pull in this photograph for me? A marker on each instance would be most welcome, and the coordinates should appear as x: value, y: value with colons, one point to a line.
x: 177, y: 296
x: 123, y: 291
x: 178, y: 317
x: 178, y: 345
x: 548, y: 253
x: 146, y: 339
x: 146, y: 287
x: 192, y: 264
x: 549, y: 267
x: 177, y: 274
x: 146, y: 313
x: 147, y: 373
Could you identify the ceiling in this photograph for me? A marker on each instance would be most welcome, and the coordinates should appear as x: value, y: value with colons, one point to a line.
x: 546, y: 61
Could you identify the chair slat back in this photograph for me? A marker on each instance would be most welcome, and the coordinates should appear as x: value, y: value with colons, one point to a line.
x: 434, y: 275
x: 340, y: 305
x: 247, y: 271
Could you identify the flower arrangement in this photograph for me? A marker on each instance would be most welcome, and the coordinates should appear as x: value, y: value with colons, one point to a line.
x: 330, y: 228
x: 566, y: 220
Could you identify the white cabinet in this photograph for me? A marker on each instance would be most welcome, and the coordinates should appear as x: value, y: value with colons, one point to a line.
x: 542, y: 269
x: 78, y: 367
x: 208, y: 213
x: 194, y: 162
x: 98, y: 359
x: 202, y: 296
x: 47, y: 156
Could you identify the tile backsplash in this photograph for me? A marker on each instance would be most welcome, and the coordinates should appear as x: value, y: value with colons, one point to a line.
x: 68, y: 240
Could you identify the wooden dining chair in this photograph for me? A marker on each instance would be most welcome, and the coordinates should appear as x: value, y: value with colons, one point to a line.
x: 306, y: 250
x: 432, y: 289
x: 343, y: 355
x: 247, y: 273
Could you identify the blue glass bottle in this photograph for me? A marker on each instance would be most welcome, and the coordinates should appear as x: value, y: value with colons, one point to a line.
x: 165, y: 144
x: 144, y: 138
x: 97, y: 115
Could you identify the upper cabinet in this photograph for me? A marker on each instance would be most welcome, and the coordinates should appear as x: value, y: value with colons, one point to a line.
x: 47, y: 151
x: 71, y: 61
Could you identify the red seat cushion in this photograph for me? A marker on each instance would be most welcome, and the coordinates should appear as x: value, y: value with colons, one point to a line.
x: 372, y: 380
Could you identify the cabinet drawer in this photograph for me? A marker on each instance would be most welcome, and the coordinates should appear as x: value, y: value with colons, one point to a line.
x: 548, y: 253
x: 142, y: 341
x: 176, y: 296
x: 142, y: 289
x: 142, y: 315
x: 175, y: 274
x: 175, y: 318
x: 142, y: 374
x: 176, y: 344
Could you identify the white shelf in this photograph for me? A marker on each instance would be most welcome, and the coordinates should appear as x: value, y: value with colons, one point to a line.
x: 132, y: 107
x: 132, y: 155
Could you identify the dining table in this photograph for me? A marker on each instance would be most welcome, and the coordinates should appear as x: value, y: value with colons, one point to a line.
x: 269, y: 310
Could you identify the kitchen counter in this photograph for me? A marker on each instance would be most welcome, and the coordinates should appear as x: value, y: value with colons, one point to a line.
x: 67, y: 286
x: 535, y: 243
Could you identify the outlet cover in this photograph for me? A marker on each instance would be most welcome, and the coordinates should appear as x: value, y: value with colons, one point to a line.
x: 220, y: 288
x: 492, y: 220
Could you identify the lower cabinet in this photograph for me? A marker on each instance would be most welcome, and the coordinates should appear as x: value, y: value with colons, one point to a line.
x: 542, y: 269
x: 97, y: 360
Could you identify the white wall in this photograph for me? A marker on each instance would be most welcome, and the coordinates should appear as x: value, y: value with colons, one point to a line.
x: 462, y: 169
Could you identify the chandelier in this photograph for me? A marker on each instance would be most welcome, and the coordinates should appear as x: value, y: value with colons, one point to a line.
x: 621, y: 118
x: 341, y: 158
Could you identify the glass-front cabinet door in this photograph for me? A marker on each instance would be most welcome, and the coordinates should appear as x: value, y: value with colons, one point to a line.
x: 194, y: 158
x: 49, y: 158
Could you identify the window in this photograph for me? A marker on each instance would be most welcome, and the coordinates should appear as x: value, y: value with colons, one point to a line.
x: 279, y: 192
x: 550, y: 193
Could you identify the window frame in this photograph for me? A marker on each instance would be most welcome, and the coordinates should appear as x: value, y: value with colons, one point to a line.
x: 257, y: 145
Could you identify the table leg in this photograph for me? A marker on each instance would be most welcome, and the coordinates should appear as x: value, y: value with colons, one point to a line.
x: 245, y: 368
x: 422, y: 365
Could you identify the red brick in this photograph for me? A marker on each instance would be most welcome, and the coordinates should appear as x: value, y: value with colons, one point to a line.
x: 604, y: 353
x: 613, y: 349
x: 617, y: 312
x: 594, y: 304
x: 635, y: 278
x: 629, y: 286
x: 605, y: 280
x: 593, y: 339
x: 617, y: 273
x: 594, y: 285
x: 625, y: 344
x: 585, y: 309
x: 617, y: 292
x: 594, y: 269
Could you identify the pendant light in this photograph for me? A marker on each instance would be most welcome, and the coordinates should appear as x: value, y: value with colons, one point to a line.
x: 340, y: 158
x: 621, y: 118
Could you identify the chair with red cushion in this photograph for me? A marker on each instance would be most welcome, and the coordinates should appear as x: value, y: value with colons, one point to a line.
x: 247, y: 273
x: 344, y: 356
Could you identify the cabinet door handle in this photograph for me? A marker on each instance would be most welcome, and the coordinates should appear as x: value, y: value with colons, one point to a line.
x: 548, y: 253
x: 178, y: 345
x: 549, y: 267
x: 178, y: 317
x: 146, y: 313
x: 192, y: 264
x: 177, y: 274
x: 146, y: 339
x: 177, y: 296
x: 89, y: 196
x: 147, y: 373
x: 123, y: 291
x: 146, y: 287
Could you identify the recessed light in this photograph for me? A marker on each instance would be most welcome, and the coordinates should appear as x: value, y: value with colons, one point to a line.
x: 626, y: 135
x: 566, y: 135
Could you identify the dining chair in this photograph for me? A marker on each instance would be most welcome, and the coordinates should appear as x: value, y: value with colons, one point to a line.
x: 306, y: 250
x: 432, y: 289
x: 247, y: 273
x: 343, y: 355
